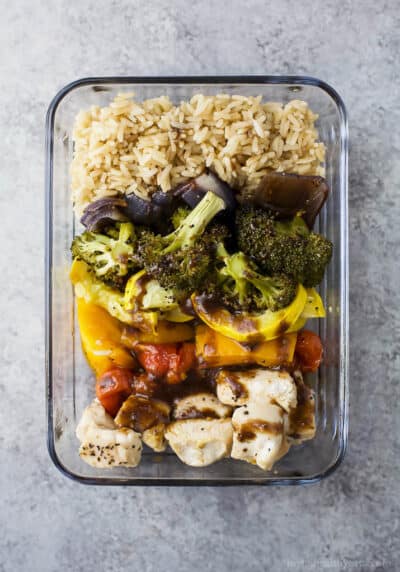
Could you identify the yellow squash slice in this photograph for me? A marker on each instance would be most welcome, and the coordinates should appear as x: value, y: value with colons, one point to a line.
x: 246, y: 327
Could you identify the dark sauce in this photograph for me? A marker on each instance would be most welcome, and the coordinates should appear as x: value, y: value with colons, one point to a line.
x: 141, y: 284
x: 248, y: 431
x: 232, y: 378
x: 187, y: 307
x: 283, y: 326
x: 302, y: 419
x: 198, y: 381
x: 193, y: 413
x: 141, y: 413
x: 212, y: 307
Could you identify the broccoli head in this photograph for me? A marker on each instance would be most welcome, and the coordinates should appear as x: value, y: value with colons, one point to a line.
x: 318, y: 253
x: 182, y: 271
x: 239, y: 285
x: 282, y: 247
x: 179, y: 215
x: 182, y: 259
x: 109, y: 256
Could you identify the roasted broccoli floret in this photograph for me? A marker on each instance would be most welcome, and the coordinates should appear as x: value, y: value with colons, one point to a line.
x: 318, y: 254
x: 242, y: 287
x: 282, y: 247
x: 179, y: 215
x: 183, y: 270
x: 182, y: 259
x: 109, y: 256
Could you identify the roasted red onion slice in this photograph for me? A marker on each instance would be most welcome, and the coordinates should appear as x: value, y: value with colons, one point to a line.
x: 194, y: 190
x: 104, y: 211
x: 286, y: 194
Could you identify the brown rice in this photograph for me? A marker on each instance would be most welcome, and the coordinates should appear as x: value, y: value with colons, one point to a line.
x: 137, y: 147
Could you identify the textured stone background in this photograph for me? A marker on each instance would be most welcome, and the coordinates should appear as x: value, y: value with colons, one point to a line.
x: 350, y: 521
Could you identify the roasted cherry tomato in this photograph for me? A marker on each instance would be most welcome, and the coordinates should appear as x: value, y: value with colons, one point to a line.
x: 308, y: 350
x: 166, y: 361
x: 113, y: 387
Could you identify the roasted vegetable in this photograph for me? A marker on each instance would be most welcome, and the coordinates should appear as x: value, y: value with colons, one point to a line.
x: 154, y: 212
x: 249, y: 327
x: 166, y: 333
x: 103, y: 212
x: 179, y: 216
x: 309, y: 351
x: 282, y: 247
x: 108, y: 210
x: 181, y: 259
x: 314, y: 307
x: 113, y: 387
x: 244, y: 289
x: 215, y: 350
x: 318, y: 253
x: 101, y: 338
x: 143, y: 292
x: 193, y: 226
x: 193, y: 191
x: 110, y: 259
x: 95, y: 291
x: 286, y: 194
x: 169, y: 362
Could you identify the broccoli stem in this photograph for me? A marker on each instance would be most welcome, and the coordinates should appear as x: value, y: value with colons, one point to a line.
x: 194, y: 224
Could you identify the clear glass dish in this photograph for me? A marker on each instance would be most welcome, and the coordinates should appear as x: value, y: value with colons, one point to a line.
x: 69, y: 379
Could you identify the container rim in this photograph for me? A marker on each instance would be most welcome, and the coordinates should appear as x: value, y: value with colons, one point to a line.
x: 191, y: 80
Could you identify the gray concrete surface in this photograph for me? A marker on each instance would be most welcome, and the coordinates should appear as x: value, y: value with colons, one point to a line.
x: 348, y: 522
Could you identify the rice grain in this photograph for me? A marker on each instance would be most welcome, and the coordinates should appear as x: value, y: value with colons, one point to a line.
x: 133, y: 146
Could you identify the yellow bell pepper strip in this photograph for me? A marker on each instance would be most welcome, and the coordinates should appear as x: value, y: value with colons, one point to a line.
x: 167, y: 333
x: 246, y: 327
x: 101, y: 339
x: 95, y: 291
x: 215, y: 350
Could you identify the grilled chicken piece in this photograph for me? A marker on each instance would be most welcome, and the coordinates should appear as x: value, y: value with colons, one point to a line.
x: 155, y: 437
x: 257, y: 385
x: 103, y: 445
x: 259, y: 434
x: 141, y: 413
x: 200, y: 406
x: 200, y: 442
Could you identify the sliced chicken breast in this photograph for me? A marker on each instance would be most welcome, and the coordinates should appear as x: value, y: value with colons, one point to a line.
x: 200, y: 406
x: 259, y: 434
x: 256, y: 385
x: 155, y: 437
x: 200, y: 442
x: 103, y: 444
x: 141, y: 413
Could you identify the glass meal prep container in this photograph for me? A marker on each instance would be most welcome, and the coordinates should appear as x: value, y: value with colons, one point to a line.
x: 70, y: 381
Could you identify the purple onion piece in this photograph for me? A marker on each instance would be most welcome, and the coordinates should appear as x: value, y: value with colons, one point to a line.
x: 103, y: 212
x: 165, y: 200
x: 192, y: 196
x: 138, y: 210
x: 194, y: 190
x: 150, y: 213
x: 286, y: 194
